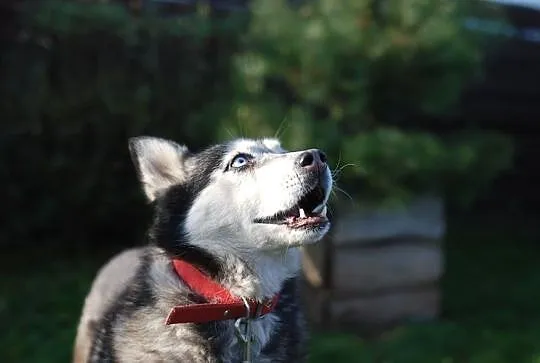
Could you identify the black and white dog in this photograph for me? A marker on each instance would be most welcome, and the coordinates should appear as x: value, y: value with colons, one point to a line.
x: 218, y: 279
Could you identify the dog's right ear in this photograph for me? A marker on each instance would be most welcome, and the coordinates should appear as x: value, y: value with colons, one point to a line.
x: 160, y: 163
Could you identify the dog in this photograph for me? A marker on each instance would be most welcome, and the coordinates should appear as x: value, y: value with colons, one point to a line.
x: 218, y: 279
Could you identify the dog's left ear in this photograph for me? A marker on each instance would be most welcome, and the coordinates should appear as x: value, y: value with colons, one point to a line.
x: 160, y: 163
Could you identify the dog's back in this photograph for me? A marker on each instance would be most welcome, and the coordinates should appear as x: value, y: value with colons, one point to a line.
x: 107, y: 287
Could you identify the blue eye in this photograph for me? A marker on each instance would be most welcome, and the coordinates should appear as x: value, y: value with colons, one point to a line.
x: 239, y: 161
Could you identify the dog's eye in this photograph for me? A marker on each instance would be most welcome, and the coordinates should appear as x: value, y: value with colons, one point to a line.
x: 240, y: 161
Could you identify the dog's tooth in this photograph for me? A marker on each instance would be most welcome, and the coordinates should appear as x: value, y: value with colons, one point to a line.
x: 302, y: 213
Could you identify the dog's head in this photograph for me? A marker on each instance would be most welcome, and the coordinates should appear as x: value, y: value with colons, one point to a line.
x: 242, y: 195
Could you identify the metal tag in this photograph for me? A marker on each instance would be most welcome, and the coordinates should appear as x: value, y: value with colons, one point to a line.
x: 243, y: 331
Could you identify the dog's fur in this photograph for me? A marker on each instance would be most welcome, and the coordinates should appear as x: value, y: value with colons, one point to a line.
x: 206, y: 205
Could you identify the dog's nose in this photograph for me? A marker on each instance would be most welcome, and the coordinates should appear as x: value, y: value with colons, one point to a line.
x: 312, y: 158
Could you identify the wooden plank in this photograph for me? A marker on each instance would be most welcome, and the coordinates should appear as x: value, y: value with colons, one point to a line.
x: 386, y: 310
x: 423, y: 217
x: 313, y: 264
x: 365, y: 270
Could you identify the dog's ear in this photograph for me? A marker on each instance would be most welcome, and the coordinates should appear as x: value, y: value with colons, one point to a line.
x: 160, y: 163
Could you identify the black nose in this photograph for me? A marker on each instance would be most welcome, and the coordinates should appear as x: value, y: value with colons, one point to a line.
x: 311, y: 157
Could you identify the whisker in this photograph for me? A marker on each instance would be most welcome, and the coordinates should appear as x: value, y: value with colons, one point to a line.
x: 339, y: 169
x: 240, y: 126
x: 229, y: 131
x: 344, y: 193
x: 281, y: 130
x: 338, y: 160
x: 330, y: 210
x: 285, y: 253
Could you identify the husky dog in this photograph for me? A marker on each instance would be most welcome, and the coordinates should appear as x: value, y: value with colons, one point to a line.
x: 238, y: 212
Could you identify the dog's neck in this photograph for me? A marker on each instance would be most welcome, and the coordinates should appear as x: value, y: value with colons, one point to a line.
x: 260, y: 276
x: 257, y: 275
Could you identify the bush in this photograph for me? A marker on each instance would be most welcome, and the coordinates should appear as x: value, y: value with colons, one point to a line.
x: 356, y: 75
x: 347, y: 76
x: 81, y: 80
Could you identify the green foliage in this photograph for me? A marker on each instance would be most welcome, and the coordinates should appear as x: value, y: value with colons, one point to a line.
x: 357, y: 58
x: 83, y: 78
x: 356, y: 74
x: 347, y: 76
x: 394, y: 163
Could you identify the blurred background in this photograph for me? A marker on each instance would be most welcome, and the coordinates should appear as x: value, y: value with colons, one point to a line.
x: 427, y: 109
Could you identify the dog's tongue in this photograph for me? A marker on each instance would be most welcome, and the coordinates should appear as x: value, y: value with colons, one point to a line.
x: 296, y: 222
x: 303, y: 219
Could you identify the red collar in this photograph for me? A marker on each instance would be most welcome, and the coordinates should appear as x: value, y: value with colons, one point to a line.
x: 221, y: 305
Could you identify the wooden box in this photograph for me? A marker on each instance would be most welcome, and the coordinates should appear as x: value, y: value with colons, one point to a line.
x: 377, y: 268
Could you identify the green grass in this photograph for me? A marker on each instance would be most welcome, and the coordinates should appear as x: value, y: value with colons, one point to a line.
x: 491, y: 305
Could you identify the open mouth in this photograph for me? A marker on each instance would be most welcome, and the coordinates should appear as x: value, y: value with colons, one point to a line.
x: 309, y: 211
